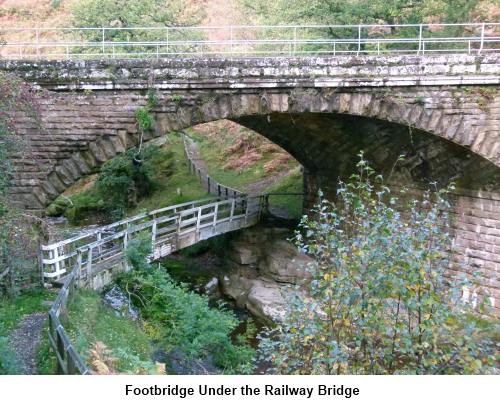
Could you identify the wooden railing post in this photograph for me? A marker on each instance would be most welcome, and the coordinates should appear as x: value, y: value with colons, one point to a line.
x: 89, y: 264
x: 99, y: 247
x: 232, y: 210
x: 79, y: 264
x: 153, y: 236
x: 198, y: 220
x: 216, y: 212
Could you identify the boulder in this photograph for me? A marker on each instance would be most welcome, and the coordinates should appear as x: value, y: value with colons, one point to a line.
x: 212, y: 287
x: 266, y: 301
x: 242, y: 252
x: 284, y: 263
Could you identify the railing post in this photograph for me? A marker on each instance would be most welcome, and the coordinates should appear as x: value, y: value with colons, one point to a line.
x: 179, y: 220
x: 231, y: 39
x: 294, y: 40
x: 198, y: 220
x: 216, y: 212
x: 125, y: 238
x: 79, y: 264
x: 103, y: 39
x: 359, y: 40
x: 482, y: 39
x: 232, y: 210
x: 153, y: 236
x: 89, y: 265
x: 419, y: 40
x: 125, y: 244
x: 55, y: 255
x: 99, y: 247
x: 37, y: 33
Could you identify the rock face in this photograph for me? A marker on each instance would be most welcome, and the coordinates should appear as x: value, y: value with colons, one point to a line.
x: 263, y: 270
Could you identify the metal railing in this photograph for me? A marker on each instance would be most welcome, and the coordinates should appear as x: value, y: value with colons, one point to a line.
x: 248, y: 40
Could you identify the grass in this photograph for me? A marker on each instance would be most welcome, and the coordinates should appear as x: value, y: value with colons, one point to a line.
x: 292, y: 183
x: 90, y: 321
x: 179, y: 187
x: 175, y: 185
x: 11, y: 313
x: 213, y: 151
x: 236, y: 156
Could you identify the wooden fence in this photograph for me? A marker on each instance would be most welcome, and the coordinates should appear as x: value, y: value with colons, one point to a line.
x: 68, y: 359
x: 211, y: 185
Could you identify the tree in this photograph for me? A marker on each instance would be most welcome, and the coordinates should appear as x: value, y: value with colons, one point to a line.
x: 133, y: 14
x: 380, y: 299
x: 17, y: 233
x: 353, y: 12
x: 362, y: 11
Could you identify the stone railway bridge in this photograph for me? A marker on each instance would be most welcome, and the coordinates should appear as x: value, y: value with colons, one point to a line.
x: 441, y: 112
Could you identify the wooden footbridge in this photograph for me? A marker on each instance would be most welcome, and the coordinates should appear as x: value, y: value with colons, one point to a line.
x: 89, y: 260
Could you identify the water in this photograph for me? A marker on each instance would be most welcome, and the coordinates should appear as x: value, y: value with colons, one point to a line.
x: 117, y: 299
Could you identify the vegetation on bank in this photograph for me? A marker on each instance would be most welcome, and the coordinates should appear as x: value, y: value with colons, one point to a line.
x: 181, y: 321
x: 380, y: 299
x: 125, y: 187
x: 237, y: 156
x: 110, y: 343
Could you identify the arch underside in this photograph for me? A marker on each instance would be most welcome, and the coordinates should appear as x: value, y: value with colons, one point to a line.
x: 328, y: 146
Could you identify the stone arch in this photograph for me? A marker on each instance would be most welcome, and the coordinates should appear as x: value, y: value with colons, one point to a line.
x: 425, y: 109
x: 81, y: 135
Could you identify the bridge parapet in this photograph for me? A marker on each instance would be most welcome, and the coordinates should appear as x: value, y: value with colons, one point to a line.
x: 258, y: 73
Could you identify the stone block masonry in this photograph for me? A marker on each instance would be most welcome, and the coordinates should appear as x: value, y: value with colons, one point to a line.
x: 441, y: 111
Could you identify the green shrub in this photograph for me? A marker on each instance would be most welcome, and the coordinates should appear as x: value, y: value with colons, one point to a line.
x: 182, y: 319
x: 379, y: 301
x: 127, y: 178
